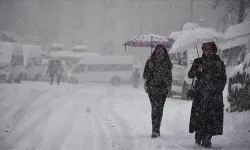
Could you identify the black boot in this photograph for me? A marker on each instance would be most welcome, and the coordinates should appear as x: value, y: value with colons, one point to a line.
x: 156, y: 132
x: 155, y: 135
x: 198, y: 137
x: 207, y: 141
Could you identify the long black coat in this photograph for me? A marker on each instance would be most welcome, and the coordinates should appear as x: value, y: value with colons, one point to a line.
x: 207, y: 109
x: 158, y: 76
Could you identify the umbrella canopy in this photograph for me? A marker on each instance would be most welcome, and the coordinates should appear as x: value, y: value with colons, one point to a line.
x: 150, y: 40
x: 190, y: 39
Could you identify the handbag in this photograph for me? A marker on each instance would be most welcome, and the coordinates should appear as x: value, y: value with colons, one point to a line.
x: 191, y: 92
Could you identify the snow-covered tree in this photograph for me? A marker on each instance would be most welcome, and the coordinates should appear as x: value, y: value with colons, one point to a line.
x: 233, y: 6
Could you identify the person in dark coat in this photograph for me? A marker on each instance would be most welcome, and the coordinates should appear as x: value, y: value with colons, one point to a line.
x: 207, y: 111
x: 158, y: 76
x: 55, y: 69
x: 136, y: 78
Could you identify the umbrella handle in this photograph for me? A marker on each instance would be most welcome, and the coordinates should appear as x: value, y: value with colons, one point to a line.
x: 197, y: 51
x: 151, y: 44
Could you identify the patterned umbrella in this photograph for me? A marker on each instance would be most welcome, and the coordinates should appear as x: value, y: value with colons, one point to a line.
x: 150, y: 40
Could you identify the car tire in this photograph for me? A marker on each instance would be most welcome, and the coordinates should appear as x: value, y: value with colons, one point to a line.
x: 73, y: 80
x: 116, y: 81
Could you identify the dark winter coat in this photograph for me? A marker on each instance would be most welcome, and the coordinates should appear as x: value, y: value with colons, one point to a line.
x: 207, y: 108
x: 55, y: 68
x: 158, y: 76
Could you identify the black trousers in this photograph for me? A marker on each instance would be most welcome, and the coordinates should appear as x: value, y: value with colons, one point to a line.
x: 58, y: 76
x: 157, y: 105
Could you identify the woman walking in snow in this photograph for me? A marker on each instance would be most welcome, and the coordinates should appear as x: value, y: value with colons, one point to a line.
x: 207, y: 112
x: 158, y: 76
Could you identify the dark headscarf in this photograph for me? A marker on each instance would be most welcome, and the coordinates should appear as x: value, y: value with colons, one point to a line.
x: 212, y: 45
x: 165, y: 57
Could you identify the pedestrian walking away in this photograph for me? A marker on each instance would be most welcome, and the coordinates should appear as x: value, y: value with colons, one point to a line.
x: 55, y: 69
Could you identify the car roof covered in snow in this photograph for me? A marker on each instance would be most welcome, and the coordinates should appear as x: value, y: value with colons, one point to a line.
x: 57, y: 45
x: 72, y: 54
x: 6, y: 36
x: 80, y: 47
x: 190, y: 26
x: 238, y: 30
x: 114, y: 59
x: 241, y: 40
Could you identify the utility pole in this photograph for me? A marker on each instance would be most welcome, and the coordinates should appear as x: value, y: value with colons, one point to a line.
x: 191, y: 10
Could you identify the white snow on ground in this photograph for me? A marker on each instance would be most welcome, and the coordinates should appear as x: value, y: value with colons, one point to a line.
x: 34, y: 115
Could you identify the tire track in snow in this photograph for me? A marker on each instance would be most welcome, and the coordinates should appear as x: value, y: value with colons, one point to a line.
x: 19, y: 137
x: 126, y: 137
x: 106, y: 137
x: 121, y: 137
x: 57, y: 140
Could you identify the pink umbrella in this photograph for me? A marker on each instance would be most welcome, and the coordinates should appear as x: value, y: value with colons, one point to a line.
x: 150, y: 40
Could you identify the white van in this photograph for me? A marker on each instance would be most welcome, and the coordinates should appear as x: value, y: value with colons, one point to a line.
x: 11, y: 62
x: 97, y: 68
x: 18, y: 61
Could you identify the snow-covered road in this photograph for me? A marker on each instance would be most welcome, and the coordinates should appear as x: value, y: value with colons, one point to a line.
x: 37, y: 116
